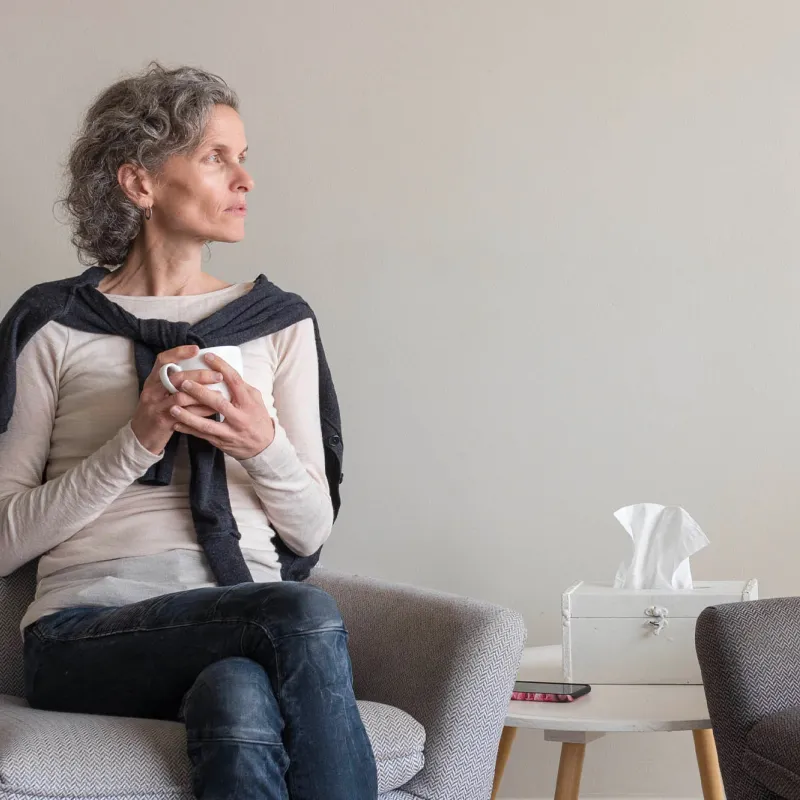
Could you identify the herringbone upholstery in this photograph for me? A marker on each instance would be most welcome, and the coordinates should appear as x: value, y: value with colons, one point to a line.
x: 449, y: 663
x: 749, y: 657
x: 16, y: 594
x: 773, y: 755
x: 84, y: 755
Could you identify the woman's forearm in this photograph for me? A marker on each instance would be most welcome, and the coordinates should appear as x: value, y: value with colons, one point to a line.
x: 34, y: 520
x: 297, y: 506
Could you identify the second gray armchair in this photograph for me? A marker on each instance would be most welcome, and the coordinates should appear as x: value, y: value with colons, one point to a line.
x: 750, y: 661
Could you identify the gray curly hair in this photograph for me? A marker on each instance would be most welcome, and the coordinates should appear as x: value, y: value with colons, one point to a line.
x: 143, y: 120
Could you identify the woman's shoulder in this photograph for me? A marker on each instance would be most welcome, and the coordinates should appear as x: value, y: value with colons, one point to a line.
x: 293, y: 336
x: 32, y: 319
x: 55, y: 292
x: 36, y: 307
x: 48, y: 344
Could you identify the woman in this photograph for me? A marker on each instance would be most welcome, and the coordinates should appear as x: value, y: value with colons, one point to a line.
x: 128, y: 617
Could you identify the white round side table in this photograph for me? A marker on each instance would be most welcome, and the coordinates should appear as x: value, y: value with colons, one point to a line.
x: 606, y: 709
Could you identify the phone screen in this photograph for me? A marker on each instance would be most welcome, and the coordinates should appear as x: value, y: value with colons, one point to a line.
x: 548, y: 688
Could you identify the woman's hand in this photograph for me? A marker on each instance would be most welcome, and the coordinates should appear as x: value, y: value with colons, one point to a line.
x: 248, y: 428
x: 152, y: 422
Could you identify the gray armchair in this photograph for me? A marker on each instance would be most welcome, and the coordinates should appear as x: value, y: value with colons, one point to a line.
x: 432, y: 672
x: 750, y: 661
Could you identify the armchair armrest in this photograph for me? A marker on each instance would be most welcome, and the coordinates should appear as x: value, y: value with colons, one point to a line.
x: 448, y: 661
x: 749, y: 657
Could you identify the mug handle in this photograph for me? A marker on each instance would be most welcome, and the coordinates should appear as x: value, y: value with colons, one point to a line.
x: 163, y: 374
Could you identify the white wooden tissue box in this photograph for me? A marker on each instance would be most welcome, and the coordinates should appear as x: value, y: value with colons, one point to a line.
x: 638, y: 635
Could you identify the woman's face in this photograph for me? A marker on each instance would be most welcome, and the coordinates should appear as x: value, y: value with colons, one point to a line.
x: 203, y: 195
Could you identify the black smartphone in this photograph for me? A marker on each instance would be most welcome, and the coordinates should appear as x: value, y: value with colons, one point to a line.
x: 549, y: 692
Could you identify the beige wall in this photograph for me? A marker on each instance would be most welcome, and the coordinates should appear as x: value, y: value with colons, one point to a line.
x: 553, y: 248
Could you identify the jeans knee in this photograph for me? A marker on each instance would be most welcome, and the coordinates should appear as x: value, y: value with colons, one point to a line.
x: 232, y: 699
x: 303, y: 608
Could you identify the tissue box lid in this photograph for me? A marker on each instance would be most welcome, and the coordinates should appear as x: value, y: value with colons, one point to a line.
x: 603, y: 600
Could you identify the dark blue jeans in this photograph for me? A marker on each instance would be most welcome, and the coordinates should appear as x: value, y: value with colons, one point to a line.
x: 259, y: 673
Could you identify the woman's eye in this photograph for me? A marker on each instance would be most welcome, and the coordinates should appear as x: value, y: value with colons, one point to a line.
x: 215, y: 158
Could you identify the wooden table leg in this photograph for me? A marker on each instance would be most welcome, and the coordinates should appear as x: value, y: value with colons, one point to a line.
x: 503, y: 752
x: 707, y: 761
x: 570, y: 768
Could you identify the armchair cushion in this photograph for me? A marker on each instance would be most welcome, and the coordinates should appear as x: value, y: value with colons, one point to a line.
x: 50, y: 754
x: 773, y: 754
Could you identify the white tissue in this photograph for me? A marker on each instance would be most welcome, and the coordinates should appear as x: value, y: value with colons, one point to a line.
x: 663, y: 539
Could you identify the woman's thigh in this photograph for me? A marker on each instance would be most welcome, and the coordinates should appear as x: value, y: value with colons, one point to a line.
x: 140, y: 659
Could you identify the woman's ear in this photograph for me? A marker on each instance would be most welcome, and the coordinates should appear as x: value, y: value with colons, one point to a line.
x: 136, y: 184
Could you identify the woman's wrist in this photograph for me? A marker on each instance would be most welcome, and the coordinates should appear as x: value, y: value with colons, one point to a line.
x: 148, y: 442
x: 263, y: 445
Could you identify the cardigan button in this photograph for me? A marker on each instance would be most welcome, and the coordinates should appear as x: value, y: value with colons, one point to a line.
x: 334, y: 440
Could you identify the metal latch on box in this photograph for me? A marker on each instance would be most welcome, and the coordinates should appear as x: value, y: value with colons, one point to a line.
x: 659, y: 621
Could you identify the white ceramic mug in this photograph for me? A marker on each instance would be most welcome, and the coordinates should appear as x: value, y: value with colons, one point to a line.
x: 229, y: 353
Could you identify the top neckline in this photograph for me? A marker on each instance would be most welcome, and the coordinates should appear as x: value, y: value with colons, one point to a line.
x: 152, y: 297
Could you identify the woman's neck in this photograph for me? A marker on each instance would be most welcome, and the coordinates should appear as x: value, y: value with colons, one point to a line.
x: 150, y: 274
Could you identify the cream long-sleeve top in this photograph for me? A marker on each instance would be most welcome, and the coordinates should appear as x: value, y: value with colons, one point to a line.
x: 69, y: 464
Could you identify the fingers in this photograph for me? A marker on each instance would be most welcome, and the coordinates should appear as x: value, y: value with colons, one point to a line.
x: 176, y: 354
x: 185, y: 401
x: 210, y: 398
x: 233, y: 379
x: 169, y: 357
x: 205, y: 376
x: 210, y: 429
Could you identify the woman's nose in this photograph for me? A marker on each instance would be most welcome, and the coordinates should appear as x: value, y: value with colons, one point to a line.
x: 245, y: 182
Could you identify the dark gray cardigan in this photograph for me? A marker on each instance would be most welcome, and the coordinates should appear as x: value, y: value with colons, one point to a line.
x: 265, y: 309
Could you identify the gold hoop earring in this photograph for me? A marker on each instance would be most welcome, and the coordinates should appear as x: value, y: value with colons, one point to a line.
x: 148, y: 212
